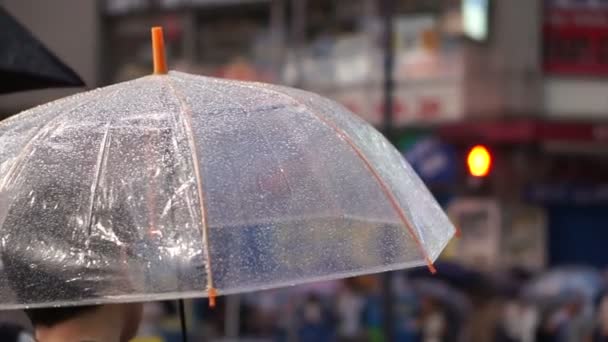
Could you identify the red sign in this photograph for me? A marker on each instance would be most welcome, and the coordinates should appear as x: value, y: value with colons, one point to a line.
x: 525, y: 131
x: 576, y: 41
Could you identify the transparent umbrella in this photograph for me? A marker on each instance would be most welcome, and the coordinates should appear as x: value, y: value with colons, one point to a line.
x: 176, y: 186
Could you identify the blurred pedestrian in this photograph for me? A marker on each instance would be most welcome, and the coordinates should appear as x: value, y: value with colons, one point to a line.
x: 349, y: 309
x: 372, y: 310
x: 266, y: 313
x: 601, y: 331
x: 316, y: 321
x: 569, y: 323
x: 510, y: 325
x: 529, y: 322
x: 581, y: 324
x: 152, y: 316
x: 434, y: 324
x: 548, y: 329
x: 482, y: 318
x: 407, y: 324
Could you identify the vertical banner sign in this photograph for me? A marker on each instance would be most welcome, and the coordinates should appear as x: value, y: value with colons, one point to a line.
x: 479, y: 221
x: 524, y: 237
x: 575, y: 37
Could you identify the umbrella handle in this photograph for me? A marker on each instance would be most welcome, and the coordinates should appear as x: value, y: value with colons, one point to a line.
x: 158, y: 51
x: 182, y: 319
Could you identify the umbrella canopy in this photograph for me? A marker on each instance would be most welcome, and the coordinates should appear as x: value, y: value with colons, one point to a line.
x: 25, y: 64
x: 174, y: 186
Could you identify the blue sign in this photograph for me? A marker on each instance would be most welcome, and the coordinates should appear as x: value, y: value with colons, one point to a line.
x: 433, y: 160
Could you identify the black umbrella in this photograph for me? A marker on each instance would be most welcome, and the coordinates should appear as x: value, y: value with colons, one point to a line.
x: 458, y: 276
x: 25, y: 63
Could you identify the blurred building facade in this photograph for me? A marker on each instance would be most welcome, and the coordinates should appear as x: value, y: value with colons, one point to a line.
x: 537, y: 85
x: 526, y: 78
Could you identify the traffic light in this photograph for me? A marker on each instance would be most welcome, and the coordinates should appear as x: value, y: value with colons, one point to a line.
x: 479, y: 161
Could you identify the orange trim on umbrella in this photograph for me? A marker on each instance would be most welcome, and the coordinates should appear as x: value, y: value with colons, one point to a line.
x: 160, y: 68
x: 384, y: 187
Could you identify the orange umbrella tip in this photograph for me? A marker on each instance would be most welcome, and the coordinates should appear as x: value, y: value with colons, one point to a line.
x: 158, y: 51
x: 432, y: 269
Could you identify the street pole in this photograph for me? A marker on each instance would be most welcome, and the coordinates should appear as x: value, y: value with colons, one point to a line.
x: 387, y: 10
x: 233, y: 317
x: 299, y: 23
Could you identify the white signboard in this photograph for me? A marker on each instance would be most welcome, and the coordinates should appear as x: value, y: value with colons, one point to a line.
x: 497, y: 236
x: 479, y: 222
x: 524, y: 238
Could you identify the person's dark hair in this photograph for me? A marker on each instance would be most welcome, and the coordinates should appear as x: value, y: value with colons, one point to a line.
x: 48, y: 317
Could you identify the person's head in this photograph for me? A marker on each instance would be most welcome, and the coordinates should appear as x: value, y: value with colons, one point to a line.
x: 53, y: 323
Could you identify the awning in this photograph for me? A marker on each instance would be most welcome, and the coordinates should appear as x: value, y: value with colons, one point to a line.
x: 525, y: 131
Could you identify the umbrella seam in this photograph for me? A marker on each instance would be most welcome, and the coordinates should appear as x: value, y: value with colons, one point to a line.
x: 20, y: 159
x: 101, y: 156
x: 186, y: 114
x: 346, y: 138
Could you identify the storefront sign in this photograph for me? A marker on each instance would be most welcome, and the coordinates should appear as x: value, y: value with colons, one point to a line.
x: 497, y: 235
x: 526, y: 131
x: 576, y: 38
x: 414, y: 102
x: 434, y: 161
x: 523, y: 237
x: 479, y: 222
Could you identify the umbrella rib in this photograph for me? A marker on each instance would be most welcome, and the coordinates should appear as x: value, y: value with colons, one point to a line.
x: 19, y: 160
x: 342, y: 135
x: 101, y: 157
x: 186, y: 118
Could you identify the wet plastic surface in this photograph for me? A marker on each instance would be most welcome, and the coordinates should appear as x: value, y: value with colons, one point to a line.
x: 166, y: 186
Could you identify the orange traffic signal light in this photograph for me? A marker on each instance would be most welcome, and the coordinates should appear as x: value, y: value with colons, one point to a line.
x: 479, y: 161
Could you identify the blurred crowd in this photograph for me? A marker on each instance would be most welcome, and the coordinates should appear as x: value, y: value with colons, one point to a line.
x: 562, y: 305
